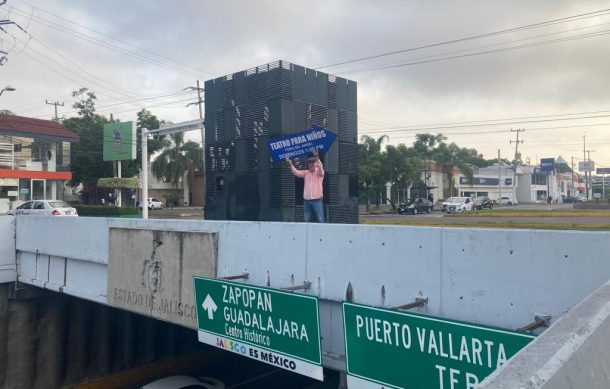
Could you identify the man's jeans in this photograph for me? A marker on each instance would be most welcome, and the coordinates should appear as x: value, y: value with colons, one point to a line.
x: 314, y: 211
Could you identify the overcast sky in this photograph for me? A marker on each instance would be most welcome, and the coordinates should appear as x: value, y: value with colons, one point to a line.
x: 551, y: 79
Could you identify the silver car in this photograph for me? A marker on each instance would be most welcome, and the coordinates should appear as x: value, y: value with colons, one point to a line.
x: 44, y: 207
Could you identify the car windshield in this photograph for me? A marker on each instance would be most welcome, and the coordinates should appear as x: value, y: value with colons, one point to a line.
x: 456, y: 199
x: 481, y: 198
x: 58, y: 204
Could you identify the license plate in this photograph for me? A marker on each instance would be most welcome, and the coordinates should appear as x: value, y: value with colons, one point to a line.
x: 68, y: 213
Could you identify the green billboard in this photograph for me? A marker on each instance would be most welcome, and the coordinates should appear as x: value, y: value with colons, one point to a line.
x: 395, y: 349
x: 276, y: 327
x: 119, y: 141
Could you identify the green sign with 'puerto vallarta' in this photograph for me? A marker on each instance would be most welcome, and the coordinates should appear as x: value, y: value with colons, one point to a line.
x: 396, y: 349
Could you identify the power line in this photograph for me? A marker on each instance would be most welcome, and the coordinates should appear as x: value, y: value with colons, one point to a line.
x: 589, y: 35
x: 436, y: 128
x: 490, y: 121
x: 118, y: 39
x: 75, y: 33
x: 510, y: 30
x: 435, y: 56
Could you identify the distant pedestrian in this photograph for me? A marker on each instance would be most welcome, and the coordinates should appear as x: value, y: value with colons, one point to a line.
x: 431, y: 197
x: 313, y: 195
x: 549, y: 200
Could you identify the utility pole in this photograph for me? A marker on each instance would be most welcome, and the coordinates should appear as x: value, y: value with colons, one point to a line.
x: 199, y: 103
x: 55, y: 103
x: 589, y: 167
x: 517, y: 160
x: 584, y: 158
x: 499, y: 179
x: 572, y: 177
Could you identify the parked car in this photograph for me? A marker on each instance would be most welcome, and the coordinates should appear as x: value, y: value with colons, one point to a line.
x: 185, y: 382
x: 44, y: 207
x: 481, y: 202
x: 153, y: 203
x: 507, y: 200
x: 457, y: 205
x: 415, y: 206
x: 572, y: 199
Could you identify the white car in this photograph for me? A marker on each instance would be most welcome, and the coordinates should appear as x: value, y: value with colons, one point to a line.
x: 153, y: 203
x: 44, y: 207
x: 507, y: 200
x: 457, y: 205
x: 184, y: 382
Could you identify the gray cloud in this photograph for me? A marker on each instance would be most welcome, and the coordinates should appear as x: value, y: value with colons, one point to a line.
x: 223, y: 37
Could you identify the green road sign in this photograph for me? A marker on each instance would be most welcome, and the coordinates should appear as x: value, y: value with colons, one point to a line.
x: 397, y: 349
x: 272, y: 326
x: 119, y: 141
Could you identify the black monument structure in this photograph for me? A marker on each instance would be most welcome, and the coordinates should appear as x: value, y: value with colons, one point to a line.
x: 244, y: 110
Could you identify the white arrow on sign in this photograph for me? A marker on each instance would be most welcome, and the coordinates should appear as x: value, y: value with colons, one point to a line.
x: 210, y: 306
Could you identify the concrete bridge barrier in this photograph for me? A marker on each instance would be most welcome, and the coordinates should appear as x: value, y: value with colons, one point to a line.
x: 572, y: 353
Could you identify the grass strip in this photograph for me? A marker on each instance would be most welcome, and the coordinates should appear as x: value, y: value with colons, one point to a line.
x: 535, y: 213
x: 498, y: 224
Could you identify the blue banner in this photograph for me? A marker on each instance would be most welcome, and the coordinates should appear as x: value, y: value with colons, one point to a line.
x: 301, y: 144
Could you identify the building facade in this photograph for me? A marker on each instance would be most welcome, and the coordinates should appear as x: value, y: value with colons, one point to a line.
x: 34, y: 160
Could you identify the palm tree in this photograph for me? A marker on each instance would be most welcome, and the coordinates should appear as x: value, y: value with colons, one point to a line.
x: 450, y: 156
x: 177, y: 159
x: 372, y: 167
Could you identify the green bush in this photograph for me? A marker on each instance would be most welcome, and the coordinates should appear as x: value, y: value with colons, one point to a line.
x: 119, y: 183
x: 102, y: 210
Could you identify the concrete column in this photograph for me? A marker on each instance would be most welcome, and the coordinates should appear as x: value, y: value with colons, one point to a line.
x: 185, y: 189
x: 101, y: 342
x: 50, y: 353
x: 129, y: 339
x: 78, y: 344
x: 172, y: 338
x: 3, y: 332
x: 21, y: 345
x: 145, y: 341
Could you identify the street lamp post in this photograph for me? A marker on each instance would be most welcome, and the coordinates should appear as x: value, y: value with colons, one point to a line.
x: 7, y: 88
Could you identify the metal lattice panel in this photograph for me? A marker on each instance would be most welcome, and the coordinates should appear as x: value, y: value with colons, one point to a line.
x: 348, y: 158
x: 347, y: 214
x: 282, y: 187
x: 316, y: 115
x: 219, y: 130
x: 332, y: 91
x: 229, y: 92
x: 343, y: 129
x: 220, y: 158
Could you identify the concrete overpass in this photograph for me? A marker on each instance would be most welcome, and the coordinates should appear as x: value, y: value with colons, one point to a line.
x: 502, y: 278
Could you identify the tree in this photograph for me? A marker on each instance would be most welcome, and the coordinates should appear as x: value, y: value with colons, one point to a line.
x: 373, y: 169
x: 178, y: 158
x: 404, y: 165
x: 450, y: 156
x: 155, y: 143
x: 87, y: 164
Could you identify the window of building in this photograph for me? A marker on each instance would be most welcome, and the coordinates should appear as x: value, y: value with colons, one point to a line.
x: 538, y: 179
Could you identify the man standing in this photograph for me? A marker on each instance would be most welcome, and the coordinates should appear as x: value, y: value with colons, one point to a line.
x: 312, y: 192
